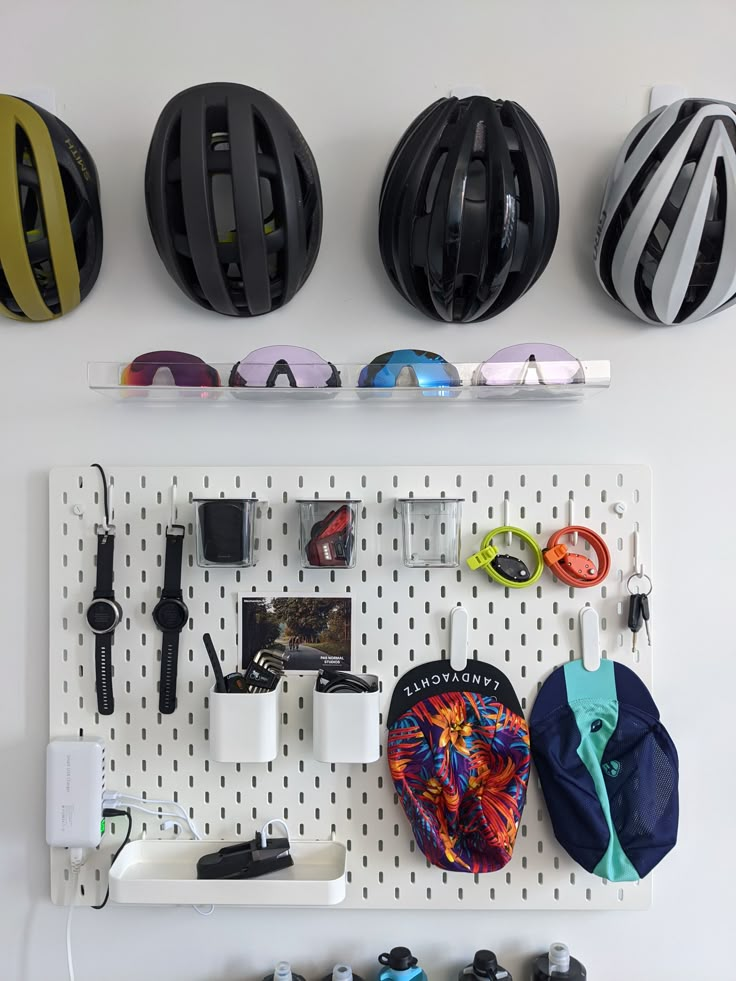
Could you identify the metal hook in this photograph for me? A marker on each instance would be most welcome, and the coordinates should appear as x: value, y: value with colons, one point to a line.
x: 172, y: 505
x: 107, y: 508
x: 507, y: 518
x: 571, y: 518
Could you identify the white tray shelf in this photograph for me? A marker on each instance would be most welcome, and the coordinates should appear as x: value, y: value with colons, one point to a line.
x: 104, y: 377
x: 164, y: 873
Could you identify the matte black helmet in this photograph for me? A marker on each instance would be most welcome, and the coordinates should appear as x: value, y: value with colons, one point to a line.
x: 233, y: 199
x: 469, y: 208
x: 50, y: 218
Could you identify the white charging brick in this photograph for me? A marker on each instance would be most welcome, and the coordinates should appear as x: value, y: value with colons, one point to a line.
x: 400, y: 618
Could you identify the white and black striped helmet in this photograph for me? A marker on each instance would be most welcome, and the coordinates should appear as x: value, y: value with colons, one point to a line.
x: 666, y: 241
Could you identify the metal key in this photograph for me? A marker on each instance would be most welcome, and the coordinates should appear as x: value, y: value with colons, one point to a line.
x: 645, y: 615
x: 636, y: 617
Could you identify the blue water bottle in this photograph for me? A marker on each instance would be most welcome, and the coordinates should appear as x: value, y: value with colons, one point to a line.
x: 399, y: 965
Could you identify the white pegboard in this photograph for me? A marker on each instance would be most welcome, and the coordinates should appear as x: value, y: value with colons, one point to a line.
x: 400, y: 618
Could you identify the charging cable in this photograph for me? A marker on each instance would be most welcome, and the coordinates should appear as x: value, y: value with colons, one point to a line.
x: 77, y: 858
x: 263, y: 834
x: 175, y: 812
x: 116, y: 812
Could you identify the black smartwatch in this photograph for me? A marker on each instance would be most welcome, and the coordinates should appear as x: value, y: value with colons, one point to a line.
x: 103, y: 616
x: 170, y: 616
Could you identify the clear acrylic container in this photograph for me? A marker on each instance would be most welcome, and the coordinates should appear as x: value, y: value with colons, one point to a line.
x: 225, y: 531
x: 328, y: 533
x: 244, y: 728
x: 431, y: 531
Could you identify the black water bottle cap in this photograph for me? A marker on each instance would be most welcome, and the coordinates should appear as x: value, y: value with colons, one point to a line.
x: 399, y: 959
x: 485, y: 963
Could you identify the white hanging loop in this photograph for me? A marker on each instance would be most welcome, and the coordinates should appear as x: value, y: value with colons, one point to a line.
x: 458, y: 638
x: 590, y: 638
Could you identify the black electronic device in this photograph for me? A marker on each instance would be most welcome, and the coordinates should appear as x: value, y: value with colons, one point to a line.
x: 246, y: 861
x: 222, y: 531
x: 511, y: 568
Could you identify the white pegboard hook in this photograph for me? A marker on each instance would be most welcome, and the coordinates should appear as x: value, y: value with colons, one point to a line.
x: 571, y: 518
x: 664, y: 95
x: 638, y: 564
x: 507, y: 518
x: 458, y: 638
x: 465, y: 91
x: 590, y: 638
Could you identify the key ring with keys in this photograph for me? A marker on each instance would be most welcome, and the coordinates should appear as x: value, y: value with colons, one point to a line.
x: 640, y: 576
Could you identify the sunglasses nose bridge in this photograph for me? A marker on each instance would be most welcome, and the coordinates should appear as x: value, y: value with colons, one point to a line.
x: 281, y: 367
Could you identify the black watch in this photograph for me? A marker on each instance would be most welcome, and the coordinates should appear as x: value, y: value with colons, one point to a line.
x: 170, y: 616
x: 103, y: 616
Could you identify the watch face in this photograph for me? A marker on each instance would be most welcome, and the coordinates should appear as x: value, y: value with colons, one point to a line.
x: 103, y: 615
x: 170, y: 614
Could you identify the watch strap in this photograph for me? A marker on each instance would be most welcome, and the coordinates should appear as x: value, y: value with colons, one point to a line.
x: 169, y: 671
x: 103, y: 673
x: 105, y: 558
x: 170, y: 638
x: 172, y: 562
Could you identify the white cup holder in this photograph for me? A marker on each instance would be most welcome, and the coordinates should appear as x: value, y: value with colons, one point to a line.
x: 347, y: 725
x: 244, y: 728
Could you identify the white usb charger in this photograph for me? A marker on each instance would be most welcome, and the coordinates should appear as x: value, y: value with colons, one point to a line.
x: 75, y: 787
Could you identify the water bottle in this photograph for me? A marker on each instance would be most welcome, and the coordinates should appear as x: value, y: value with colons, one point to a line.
x: 283, y: 972
x: 342, y: 972
x: 558, y: 964
x: 485, y: 967
x: 399, y: 965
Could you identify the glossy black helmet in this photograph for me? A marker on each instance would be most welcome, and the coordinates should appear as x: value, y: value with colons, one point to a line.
x: 233, y: 199
x: 469, y: 209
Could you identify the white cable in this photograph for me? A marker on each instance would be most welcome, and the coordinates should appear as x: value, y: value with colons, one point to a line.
x: 267, y: 825
x: 117, y: 798
x: 201, y: 912
x: 162, y: 808
x: 160, y: 813
x: 69, y: 959
x: 77, y: 858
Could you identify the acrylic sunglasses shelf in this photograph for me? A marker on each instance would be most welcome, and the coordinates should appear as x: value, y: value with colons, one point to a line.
x: 104, y: 377
x: 401, y: 618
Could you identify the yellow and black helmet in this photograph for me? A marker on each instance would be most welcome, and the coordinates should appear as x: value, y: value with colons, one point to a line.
x: 50, y: 219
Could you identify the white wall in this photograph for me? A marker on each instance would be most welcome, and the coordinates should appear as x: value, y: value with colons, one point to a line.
x: 353, y: 75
